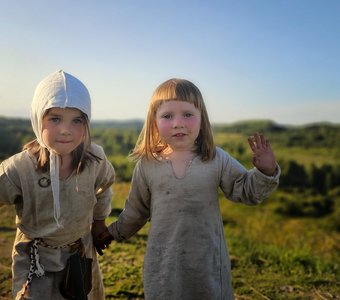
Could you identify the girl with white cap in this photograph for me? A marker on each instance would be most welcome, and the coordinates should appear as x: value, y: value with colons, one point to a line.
x: 60, y: 185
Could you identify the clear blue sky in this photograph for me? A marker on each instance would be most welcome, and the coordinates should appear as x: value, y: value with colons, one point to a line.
x: 251, y: 59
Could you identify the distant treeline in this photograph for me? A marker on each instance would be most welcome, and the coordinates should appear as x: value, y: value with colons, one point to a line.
x: 315, y: 135
x: 118, y: 139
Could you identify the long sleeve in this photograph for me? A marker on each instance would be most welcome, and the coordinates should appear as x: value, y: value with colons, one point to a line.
x: 239, y: 185
x: 9, y: 184
x: 84, y: 197
x: 137, y: 208
x: 104, y: 181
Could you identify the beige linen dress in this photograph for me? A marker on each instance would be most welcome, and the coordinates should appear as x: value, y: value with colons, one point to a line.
x: 83, y: 198
x: 186, y: 255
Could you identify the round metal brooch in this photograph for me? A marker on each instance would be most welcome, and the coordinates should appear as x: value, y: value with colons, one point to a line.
x: 44, y: 182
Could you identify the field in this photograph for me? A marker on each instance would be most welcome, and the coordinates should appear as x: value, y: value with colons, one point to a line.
x: 286, y: 248
x: 273, y: 257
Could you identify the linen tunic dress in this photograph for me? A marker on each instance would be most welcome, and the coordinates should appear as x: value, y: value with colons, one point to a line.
x: 83, y: 198
x: 186, y: 254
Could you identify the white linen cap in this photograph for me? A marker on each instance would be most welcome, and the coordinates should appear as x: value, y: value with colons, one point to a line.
x: 62, y: 90
x: 58, y: 89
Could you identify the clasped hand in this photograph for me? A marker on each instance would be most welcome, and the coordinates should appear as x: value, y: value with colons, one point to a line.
x: 263, y: 155
x: 101, y: 236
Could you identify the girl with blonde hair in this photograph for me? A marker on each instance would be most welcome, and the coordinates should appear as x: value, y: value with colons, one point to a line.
x: 175, y: 185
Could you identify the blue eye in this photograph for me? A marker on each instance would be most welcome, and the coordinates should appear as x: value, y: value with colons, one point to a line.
x: 55, y: 119
x: 167, y: 116
x: 78, y: 121
x: 188, y: 115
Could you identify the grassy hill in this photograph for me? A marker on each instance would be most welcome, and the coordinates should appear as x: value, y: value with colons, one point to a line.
x: 286, y: 248
x: 273, y: 256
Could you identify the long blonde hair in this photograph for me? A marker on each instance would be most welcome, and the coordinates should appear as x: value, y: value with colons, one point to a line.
x: 149, y: 141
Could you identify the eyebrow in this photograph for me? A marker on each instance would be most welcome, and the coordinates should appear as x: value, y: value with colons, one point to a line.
x: 53, y: 114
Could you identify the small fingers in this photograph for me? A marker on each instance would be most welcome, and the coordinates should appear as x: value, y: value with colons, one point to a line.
x: 255, y: 141
x: 258, y: 141
x: 251, y: 143
x: 99, y: 250
x: 263, y: 141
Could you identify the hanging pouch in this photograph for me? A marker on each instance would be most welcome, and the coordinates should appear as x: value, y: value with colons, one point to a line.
x: 77, y: 280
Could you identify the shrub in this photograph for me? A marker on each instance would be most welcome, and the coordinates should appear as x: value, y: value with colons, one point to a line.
x: 311, y: 206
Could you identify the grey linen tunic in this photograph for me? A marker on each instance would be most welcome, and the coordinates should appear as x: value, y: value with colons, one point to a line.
x: 186, y: 254
x: 83, y: 198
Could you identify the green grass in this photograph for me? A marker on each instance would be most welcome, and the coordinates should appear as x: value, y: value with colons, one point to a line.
x: 7, y: 234
x: 272, y: 256
x: 316, y: 156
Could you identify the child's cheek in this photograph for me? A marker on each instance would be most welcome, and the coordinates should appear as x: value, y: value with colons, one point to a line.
x: 164, y: 127
x: 192, y: 123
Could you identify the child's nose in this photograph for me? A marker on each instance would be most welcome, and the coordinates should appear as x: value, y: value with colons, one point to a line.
x: 65, y: 129
x: 178, y: 122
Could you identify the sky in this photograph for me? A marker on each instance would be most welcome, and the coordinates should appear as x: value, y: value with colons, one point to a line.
x: 251, y: 59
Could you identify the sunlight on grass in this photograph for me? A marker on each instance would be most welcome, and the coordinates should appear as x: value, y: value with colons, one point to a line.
x: 272, y: 257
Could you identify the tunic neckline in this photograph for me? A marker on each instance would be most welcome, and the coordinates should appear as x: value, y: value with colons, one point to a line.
x: 168, y: 162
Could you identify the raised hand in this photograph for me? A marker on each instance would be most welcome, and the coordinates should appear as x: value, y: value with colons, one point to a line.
x: 263, y: 155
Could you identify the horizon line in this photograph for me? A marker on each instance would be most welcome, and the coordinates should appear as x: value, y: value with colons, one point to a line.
x: 129, y: 120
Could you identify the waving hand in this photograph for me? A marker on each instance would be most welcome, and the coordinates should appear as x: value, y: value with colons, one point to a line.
x: 263, y: 155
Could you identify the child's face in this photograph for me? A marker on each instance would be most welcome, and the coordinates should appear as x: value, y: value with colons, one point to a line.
x: 179, y: 124
x: 63, y: 129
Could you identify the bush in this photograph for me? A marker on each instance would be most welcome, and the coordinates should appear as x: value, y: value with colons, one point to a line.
x: 123, y: 168
x: 311, y: 206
